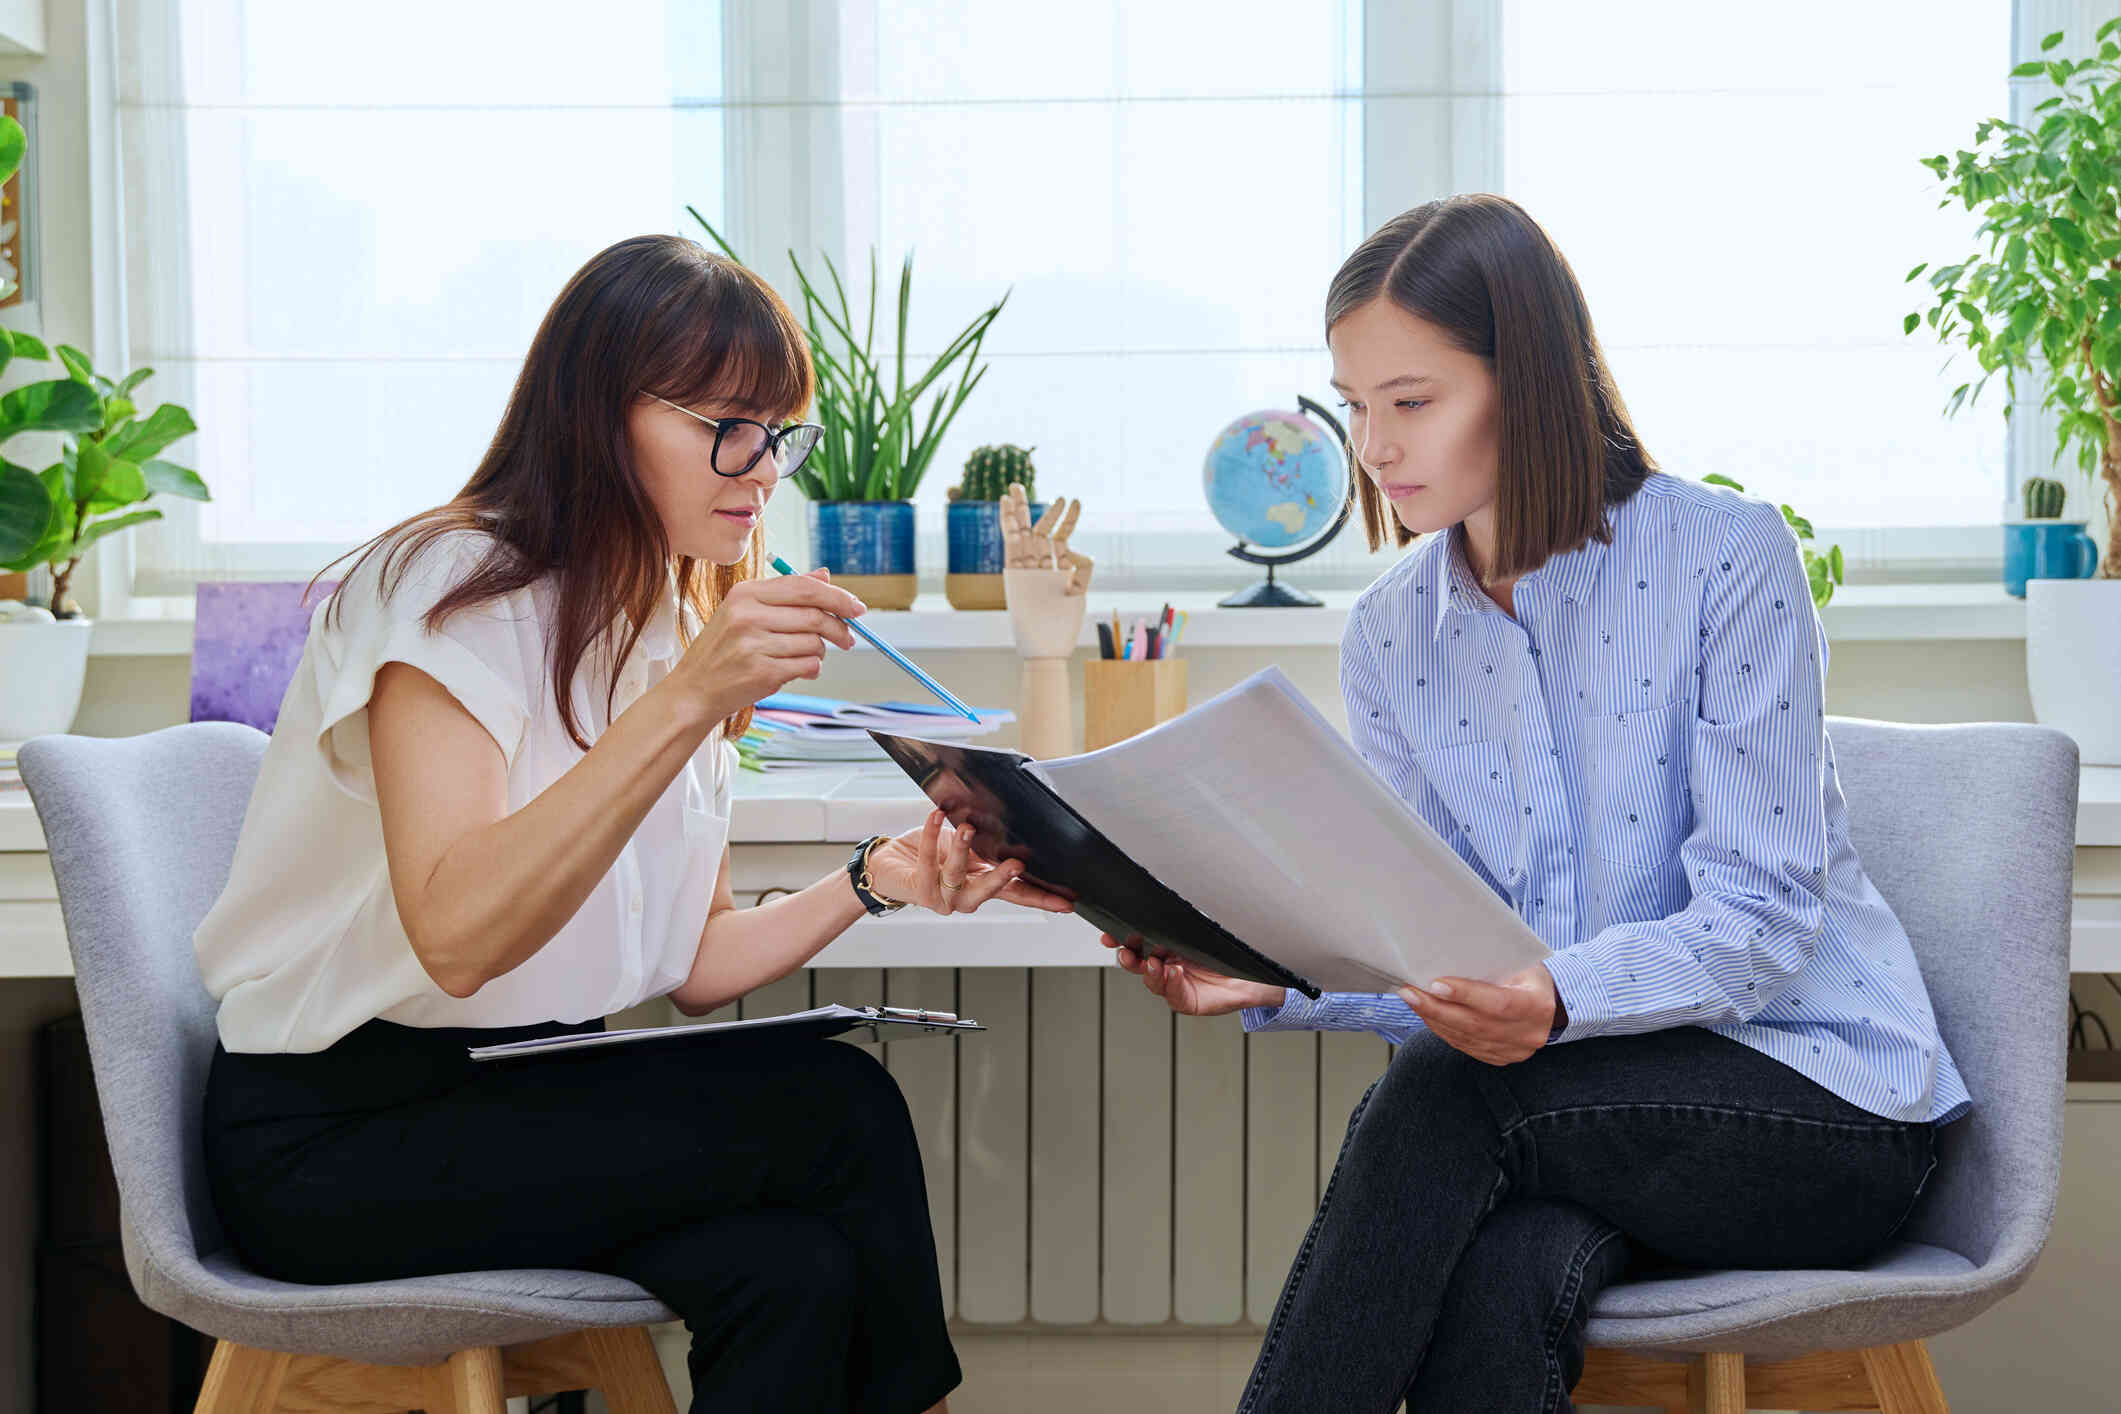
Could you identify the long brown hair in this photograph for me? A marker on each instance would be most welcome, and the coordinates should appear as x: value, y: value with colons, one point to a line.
x: 557, y: 489
x: 1482, y: 271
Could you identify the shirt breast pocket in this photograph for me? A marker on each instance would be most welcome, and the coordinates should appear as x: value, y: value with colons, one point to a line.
x: 1635, y: 776
x: 1473, y: 781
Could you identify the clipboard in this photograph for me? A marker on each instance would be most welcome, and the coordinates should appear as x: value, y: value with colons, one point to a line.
x: 819, y: 1023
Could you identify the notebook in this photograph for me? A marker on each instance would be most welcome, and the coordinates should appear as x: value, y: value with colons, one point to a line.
x: 881, y: 1024
x: 1246, y: 836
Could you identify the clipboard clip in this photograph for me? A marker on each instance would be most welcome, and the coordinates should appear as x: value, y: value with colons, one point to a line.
x: 915, y: 1014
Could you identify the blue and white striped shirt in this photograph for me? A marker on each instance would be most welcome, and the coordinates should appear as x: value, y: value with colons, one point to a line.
x: 1638, y: 763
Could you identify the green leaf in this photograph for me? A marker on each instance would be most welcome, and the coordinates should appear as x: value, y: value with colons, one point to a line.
x: 1833, y: 560
x: 77, y: 365
x: 133, y: 380
x: 116, y: 410
x: 56, y: 405
x: 145, y: 438
x: 92, y: 533
x: 2051, y: 41
x: 1918, y: 270
x: 103, y: 482
x: 169, y: 479
x: 1717, y: 478
x: 2028, y: 69
x: 27, y: 345
x: 25, y: 513
x: 13, y: 144
x: 1911, y: 324
x: 59, y: 534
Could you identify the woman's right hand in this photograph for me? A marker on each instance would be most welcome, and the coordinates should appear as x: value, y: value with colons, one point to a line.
x: 1192, y: 990
x: 763, y: 636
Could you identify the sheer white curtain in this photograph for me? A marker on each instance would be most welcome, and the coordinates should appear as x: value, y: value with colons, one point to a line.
x: 344, y: 224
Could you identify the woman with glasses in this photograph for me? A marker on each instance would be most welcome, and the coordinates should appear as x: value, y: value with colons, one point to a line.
x: 496, y: 806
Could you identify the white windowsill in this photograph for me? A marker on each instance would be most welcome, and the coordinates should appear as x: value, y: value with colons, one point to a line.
x: 1860, y: 612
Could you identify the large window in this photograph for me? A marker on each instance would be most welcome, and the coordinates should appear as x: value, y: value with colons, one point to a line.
x: 1738, y: 192
x: 344, y: 225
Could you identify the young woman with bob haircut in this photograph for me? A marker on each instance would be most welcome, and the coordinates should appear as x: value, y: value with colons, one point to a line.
x: 1604, y: 686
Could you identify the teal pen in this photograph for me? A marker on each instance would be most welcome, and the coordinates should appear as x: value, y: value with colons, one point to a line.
x: 893, y: 654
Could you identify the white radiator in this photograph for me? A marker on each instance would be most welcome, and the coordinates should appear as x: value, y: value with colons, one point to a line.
x: 1093, y: 1158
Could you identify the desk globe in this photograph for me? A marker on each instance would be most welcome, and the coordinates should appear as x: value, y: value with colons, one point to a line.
x: 1274, y: 481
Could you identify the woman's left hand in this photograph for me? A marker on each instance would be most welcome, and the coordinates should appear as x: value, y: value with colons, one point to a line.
x: 945, y: 876
x: 1497, y: 1022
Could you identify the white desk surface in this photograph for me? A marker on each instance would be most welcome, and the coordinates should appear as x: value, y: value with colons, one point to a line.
x: 839, y: 805
x: 842, y: 804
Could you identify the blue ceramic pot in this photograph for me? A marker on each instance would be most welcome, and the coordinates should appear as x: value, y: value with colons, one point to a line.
x: 2046, y: 549
x: 975, y: 530
x: 862, y: 537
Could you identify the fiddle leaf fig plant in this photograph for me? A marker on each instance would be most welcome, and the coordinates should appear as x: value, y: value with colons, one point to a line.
x: 2044, y: 293
x: 108, y: 466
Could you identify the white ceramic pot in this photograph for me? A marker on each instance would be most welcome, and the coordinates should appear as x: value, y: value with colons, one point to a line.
x: 41, y: 668
x: 2073, y: 661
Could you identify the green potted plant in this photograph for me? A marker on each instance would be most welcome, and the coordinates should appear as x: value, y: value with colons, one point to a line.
x: 2043, y: 296
x: 975, y: 523
x: 108, y: 467
x: 2042, y: 545
x: 878, y: 439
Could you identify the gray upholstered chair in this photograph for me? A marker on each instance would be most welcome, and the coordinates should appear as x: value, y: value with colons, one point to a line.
x: 1970, y: 833
x: 142, y: 831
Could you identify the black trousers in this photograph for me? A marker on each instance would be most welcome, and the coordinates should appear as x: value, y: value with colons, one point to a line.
x: 771, y: 1193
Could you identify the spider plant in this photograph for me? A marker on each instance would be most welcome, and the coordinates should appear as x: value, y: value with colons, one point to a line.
x: 878, y: 440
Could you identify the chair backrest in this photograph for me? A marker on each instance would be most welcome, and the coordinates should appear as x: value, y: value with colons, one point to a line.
x: 1970, y: 833
x: 142, y: 831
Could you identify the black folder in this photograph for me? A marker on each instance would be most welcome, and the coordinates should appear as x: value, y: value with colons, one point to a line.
x: 1014, y: 815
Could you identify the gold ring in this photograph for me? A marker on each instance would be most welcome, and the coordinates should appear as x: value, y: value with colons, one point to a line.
x: 950, y: 888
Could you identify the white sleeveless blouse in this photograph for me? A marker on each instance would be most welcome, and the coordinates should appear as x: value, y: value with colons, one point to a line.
x: 304, y: 943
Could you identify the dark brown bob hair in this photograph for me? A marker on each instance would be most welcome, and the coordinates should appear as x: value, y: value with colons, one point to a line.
x: 557, y: 488
x: 1481, y: 270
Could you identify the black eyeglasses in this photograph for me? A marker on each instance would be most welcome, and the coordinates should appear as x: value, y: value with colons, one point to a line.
x: 739, y: 442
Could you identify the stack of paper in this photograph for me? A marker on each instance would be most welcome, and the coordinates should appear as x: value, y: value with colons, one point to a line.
x: 11, y: 774
x: 791, y: 729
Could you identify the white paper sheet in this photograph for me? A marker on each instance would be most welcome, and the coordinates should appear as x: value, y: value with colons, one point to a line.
x: 1262, y: 816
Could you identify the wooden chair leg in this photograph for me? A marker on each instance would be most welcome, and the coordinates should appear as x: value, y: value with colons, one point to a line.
x: 1715, y: 1384
x: 470, y: 1382
x: 240, y: 1380
x: 1903, y: 1379
x: 628, y: 1373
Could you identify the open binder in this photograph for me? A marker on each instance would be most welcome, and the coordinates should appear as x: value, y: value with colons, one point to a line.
x: 880, y: 1023
x: 1246, y: 836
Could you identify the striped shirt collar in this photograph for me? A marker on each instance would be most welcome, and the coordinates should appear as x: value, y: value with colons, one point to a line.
x: 1571, y: 573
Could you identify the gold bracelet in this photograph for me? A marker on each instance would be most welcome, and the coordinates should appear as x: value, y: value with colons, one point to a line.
x: 865, y: 884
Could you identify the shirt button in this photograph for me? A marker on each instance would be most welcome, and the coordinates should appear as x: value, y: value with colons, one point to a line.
x: 633, y: 905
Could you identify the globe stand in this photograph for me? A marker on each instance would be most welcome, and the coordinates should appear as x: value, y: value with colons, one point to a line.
x: 1270, y: 595
x: 1274, y: 595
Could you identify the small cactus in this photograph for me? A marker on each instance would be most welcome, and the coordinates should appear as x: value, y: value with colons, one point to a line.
x: 990, y: 471
x: 2043, y: 498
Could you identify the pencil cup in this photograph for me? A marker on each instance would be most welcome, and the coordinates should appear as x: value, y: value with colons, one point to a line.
x: 1123, y: 698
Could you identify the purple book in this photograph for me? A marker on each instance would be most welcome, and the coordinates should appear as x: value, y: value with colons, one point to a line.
x: 246, y: 644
